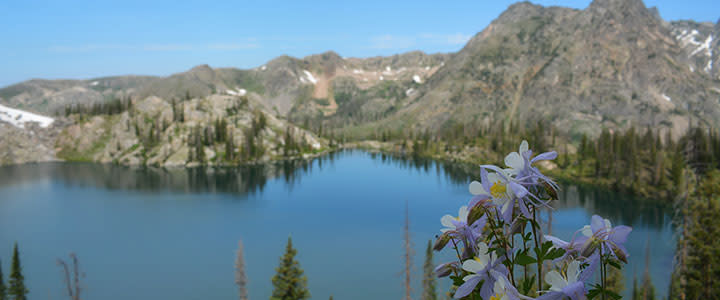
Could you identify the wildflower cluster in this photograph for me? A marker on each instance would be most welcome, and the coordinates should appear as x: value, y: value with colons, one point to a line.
x: 502, y: 253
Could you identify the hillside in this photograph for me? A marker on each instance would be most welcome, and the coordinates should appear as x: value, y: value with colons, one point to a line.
x: 214, y: 130
x: 615, y: 64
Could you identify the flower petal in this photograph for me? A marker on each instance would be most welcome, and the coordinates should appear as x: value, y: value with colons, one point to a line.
x: 619, y: 234
x: 519, y: 190
x: 573, y: 271
x: 476, y: 188
x: 551, y: 296
x: 463, y: 213
x: 545, y: 156
x: 447, y: 221
x: 524, y: 146
x: 555, y: 280
x: 473, y: 266
x: 586, y: 273
x: 558, y: 243
x: 586, y: 231
x: 514, y: 161
x: 467, y: 287
x: 597, y: 224
x: 484, y: 178
x: 575, y: 291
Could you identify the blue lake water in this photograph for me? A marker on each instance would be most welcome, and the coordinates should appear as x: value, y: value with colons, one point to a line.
x: 143, y: 233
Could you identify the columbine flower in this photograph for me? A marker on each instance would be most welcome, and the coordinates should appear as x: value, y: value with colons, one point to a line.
x: 520, y: 166
x: 484, y: 267
x: 502, y: 190
x: 600, y: 234
x: 452, y: 223
x: 457, y: 228
x: 571, y: 284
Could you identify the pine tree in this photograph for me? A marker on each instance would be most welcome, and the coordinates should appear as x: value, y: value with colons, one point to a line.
x: 703, y: 257
x: 429, y: 283
x: 17, y: 289
x: 289, y: 283
x: 3, y: 289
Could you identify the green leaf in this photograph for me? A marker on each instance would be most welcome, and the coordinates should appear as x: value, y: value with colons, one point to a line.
x: 593, y: 293
x: 526, y: 285
x: 612, y: 294
x: 457, y: 280
x: 555, y: 253
x: 524, y: 259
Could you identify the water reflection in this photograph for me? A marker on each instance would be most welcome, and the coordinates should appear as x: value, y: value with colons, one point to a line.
x: 625, y: 209
x: 247, y: 180
x: 242, y: 180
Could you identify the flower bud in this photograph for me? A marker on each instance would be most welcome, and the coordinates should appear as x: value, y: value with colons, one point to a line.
x: 589, y: 247
x: 621, y: 255
x: 476, y: 212
x: 446, y: 269
x: 550, y: 190
x: 442, y: 241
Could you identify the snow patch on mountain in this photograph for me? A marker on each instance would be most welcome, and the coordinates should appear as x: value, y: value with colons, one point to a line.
x: 704, y: 47
x: 18, y: 118
x: 310, y: 76
x: 417, y: 79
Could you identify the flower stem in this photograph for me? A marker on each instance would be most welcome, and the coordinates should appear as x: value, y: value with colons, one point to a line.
x: 456, y: 251
x: 502, y: 242
x: 537, y: 246
x: 602, y: 273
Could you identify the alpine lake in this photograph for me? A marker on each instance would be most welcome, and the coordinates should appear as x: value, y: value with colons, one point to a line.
x: 148, y: 233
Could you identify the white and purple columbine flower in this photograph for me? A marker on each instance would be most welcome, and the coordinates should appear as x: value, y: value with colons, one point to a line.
x: 571, y: 284
x: 503, y: 190
x: 486, y: 267
x: 520, y: 166
x: 601, y: 235
x: 457, y: 228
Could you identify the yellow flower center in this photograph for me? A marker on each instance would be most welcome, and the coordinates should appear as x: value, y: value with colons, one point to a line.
x: 497, y: 297
x: 498, y: 190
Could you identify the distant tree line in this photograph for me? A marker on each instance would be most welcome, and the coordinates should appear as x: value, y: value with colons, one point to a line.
x: 110, y: 107
x: 633, y: 161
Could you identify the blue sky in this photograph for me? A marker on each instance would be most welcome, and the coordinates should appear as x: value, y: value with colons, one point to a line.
x: 84, y: 39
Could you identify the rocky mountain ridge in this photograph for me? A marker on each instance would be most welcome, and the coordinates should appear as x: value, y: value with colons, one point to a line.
x: 614, y: 64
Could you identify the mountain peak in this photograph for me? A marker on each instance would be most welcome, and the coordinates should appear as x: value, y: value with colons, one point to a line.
x: 201, y: 68
x: 517, y: 11
x: 620, y: 6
